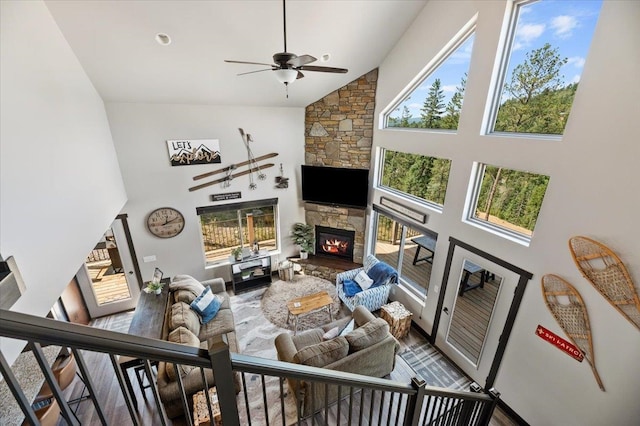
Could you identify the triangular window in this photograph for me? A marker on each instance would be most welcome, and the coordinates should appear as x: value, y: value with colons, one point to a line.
x: 435, y: 100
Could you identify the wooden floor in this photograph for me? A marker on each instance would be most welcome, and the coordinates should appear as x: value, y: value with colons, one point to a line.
x: 471, y: 316
x: 108, y: 285
x: 472, y: 312
x: 112, y: 400
x: 418, y: 275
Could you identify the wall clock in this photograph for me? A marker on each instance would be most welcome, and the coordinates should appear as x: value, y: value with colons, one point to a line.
x: 165, y: 222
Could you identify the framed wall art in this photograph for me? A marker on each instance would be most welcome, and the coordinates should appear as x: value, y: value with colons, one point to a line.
x: 185, y: 152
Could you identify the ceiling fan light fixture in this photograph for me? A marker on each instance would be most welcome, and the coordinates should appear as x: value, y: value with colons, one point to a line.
x: 286, y: 76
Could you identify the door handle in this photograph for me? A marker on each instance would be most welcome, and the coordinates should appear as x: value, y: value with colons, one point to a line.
x: 445, y: 310
x: 130, y: 272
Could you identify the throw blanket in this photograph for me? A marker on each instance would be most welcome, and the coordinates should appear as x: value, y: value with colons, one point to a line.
x: 381, y: 273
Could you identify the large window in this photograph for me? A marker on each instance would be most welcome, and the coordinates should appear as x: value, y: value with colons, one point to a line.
x: 546, y: 54
x: 407, y: 249
x: 436, y: 101
x: 508, y: 200
x: 240, y: 224
x: 418, y: 176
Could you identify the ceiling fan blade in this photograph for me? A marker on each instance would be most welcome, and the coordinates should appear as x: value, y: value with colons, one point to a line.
x: 251, y: 72
x: 322, y: 69
x: 249, y: 63
x: 301, y: 60
x: 300, y: 75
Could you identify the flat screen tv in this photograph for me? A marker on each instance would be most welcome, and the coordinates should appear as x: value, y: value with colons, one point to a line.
x: 335, y: 186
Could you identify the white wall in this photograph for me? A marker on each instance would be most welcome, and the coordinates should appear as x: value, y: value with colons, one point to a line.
x: 593, y: 192
x: 140, y: 132
x: 60, y: 185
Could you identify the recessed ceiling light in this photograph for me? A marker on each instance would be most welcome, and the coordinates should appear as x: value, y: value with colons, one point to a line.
x: 325, y: 57
x: 163, y: 39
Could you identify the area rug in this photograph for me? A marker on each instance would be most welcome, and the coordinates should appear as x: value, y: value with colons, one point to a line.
x: 256, y: 337
x: 275, y: 298
x: 434, y: 368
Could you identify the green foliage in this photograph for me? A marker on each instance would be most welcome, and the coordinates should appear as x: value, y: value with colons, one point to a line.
x: 512, y: 196
x: 303, y: 235
x: 535, y: 101
x: 452, y: 112
x: 418, y: 175
x: 406, y: 115
x: 433, y: 107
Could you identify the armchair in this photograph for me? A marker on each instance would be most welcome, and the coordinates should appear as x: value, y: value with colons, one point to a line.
x: 372, y: 298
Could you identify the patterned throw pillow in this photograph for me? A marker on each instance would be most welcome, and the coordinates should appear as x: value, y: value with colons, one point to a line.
x: 206, y: 305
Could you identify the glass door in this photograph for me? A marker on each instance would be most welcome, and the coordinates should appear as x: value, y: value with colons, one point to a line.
x: 476, y: 307
x: 107, y: 279
x: 409, y: 250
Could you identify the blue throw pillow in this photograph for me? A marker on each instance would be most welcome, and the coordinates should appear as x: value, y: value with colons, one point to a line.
x: 351, y: 288
x: 206, y: 305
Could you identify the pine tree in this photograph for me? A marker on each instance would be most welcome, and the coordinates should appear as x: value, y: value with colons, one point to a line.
x: 405, y: 119
x: 452, y: 113
x: 437, y: 186
x: 419, y: 175
x: 530, y: 93
x: 433, y: 107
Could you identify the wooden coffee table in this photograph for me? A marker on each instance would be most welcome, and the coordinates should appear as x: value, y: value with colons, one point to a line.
x: 307, y: 304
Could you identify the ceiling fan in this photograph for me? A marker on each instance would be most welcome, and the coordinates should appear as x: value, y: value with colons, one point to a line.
x: 288, y: 66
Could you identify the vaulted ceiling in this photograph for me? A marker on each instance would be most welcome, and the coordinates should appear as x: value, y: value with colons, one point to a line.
x: 115, y: 43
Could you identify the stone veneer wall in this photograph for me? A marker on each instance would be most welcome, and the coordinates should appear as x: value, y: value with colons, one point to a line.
x: 338, y: 133
x: 339, y: 127
x: 341, y: 218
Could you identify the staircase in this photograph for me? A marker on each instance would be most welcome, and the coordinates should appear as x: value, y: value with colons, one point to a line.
x: 361, y: 399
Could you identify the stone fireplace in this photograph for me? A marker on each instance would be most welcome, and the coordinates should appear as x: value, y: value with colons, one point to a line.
x: 338, y: 133
x: 334, y: 242
x: 340, y: 220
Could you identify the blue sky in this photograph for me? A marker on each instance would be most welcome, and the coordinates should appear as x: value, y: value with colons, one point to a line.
x: 565, y: 24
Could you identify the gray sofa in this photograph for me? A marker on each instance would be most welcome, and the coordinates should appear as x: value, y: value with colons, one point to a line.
x: 182, y: 325
x: 368, y: 350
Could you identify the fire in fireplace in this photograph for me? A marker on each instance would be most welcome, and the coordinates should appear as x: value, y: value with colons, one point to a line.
x: 334, y: 242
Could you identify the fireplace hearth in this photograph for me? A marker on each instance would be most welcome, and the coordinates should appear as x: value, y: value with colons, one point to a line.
x: 334, y: 242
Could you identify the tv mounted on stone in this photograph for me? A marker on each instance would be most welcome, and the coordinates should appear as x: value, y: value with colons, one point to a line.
x: 336, y: 186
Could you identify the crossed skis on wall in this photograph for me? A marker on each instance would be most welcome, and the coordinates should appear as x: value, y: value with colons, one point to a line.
x: 230, y: 172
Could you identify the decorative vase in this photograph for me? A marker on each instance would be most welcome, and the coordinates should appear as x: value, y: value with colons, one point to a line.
x: 157, y: 291
x: 304, y: 254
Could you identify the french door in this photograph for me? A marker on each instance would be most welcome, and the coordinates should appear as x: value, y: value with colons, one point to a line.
x: 477, y: 310
x: 109, y: 279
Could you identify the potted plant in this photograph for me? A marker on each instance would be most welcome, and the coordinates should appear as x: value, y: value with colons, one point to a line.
x: 154, y: 287
x: 303, y: 235
x: 237, y: 253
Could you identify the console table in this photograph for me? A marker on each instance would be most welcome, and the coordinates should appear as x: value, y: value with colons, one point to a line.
x: 149, y: 314
x: 147, y: 321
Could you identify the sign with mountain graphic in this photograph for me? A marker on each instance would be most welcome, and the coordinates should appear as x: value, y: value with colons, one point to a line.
x: 199, y: 151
